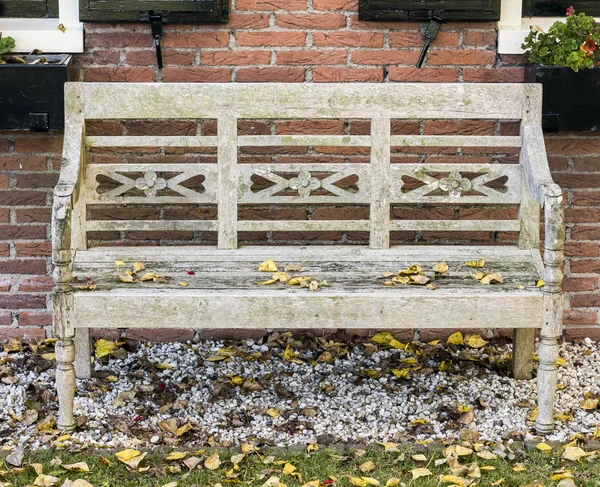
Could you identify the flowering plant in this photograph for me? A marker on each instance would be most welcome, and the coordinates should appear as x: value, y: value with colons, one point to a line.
x: 574, y: 43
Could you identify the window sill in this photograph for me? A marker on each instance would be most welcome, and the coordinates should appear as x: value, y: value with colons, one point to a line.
x: 43, y: 34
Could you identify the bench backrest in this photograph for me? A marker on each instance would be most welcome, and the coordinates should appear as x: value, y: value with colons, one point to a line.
x: 229, y: 184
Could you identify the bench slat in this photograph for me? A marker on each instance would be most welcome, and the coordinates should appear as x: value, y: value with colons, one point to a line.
x: 152, y: 225
x: 151, y: 141
x: 457, y: 225
x: 303, y: 226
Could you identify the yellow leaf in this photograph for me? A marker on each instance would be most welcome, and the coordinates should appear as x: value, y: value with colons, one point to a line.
x: 126, y: 455
x: 248, y: 448
x: 456, y: 339
x: 475, y: 263
x: 175, y: 455
x: 540, y: 283
x: 291, y: 356
x: 363, y: 481
x: 49, y: 356
x: 494, y: 278
x: 397, y: 345
x: 417, y: 422
x: 478, y: 275
x: 274, y: 413
x: 268, y: 282
x: 388, y: 283
x: 213, y: 462
x: 382, y: 338
x: 519, y: 468
x: 561, y: 474
x: 312, y: 447
x: 138, y: 266
x: 475, y: 341
x: 126, y: 278
x: 81, y: 483
x: 106, y: 347
x: 120, y: 263
x: 573, y: 453
x: 46, y: 481
x: 267, y: 266
x: 165, y: 366
x: 461, y: 408
x: 560, y: 361
x: 454, y: 479
x: 459, y: 450
x: 445, y: 365
x: 296, y: 281
x: 77, y: 467
x: 486, y: 455
x: 401, y: 373
x: 183, y: 429
x: 441, y: 268
x: 420, y: 472
x: 390, y: 446
x: 37, y: 467
x: 497, y: 482
x: 392, y: 482
x: 433, y: 343
x: 487, y: 467
x: 543, y: 447
x: 419, y: 457
x: 184, y: 284
x: 532, y: 414
x: 312, y: 483
x: 372, y: 373
x: 411, y: 271
x: 288, y: 469
x: 367, y: 467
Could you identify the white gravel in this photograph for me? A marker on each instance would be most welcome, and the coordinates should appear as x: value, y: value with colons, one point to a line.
x: 358, y: 409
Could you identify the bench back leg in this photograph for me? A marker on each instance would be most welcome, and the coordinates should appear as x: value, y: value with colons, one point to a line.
x: 522, y: 361
x: 83, y: 353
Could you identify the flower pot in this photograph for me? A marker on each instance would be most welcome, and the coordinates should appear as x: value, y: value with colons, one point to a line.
x: 32, y: 95
x: 571, y: 99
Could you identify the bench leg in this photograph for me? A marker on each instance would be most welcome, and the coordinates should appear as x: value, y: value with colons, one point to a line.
x: 83, y: 353
x: 65, y: 382
x: 523, y: 343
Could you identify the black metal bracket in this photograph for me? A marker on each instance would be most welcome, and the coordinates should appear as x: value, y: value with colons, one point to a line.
x: 430, y: 34
x: 157, y: 32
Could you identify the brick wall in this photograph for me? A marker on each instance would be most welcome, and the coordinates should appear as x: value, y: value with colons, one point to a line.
x: 283, y: 41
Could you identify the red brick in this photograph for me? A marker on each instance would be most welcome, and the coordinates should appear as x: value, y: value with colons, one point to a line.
x: 337, y: 75
x: 117, y: 40
x: 196, y: 75
x: 23, y: 163
x: 355, y: 23
x: 4, y: 249
x: 4, y: 215
x: 456, y: 236
x: 239, y: 20
x: 592, y: 332
x: 460, y: 57
x: 36, y: 284
x: 470, y: 25
x: 97, y: 58
x: 22, y: 198
x: 480, y: 38
x: 301, y: 237
x: 33, y: 249
x: 196, y: 39
x: 231, y: 334
x: 582, y: 215
x: 585, y: 300
x: 162, y: 127
x: 493, y: 75
x: 580, y: 317
x: 329, y: 127
x: 581, y: 180
x: 311, y: 21
x: 160, y: 335
x: 235, y: 58
x: 5, y: 318
x: 261, y: 39
x: 38, y: 144
x: 581, y: 249
x: 405, y: 39
x: 271, y: 74
x: 333, y: 56
x: 170, y: 58
x: 37, y: 180
x: 583, y: 232
x: 587, y: 164
x: 21, y: 301
x: 104, y: 127
x: 335, y: 5
x: 5, y: 283
x: 423, y: 75
x: 488, y: 213
x: 556, y: 163
x: 25, y: 334
x: 511, y: 59
x: 266, y: 213
x: 271, y: 5
x: 579, y: 284
x: 34, y: 215
x: 348, y: 39
x: 125, y: 74
x: 22, y: 266
x: 385, y: 57
x: 400, y: 212
x: 459, y: 127
x: 573, y: 146
x: 8, y: 232
x: 35, y: 318
x: 340, y: 213
x: 585, y: 266
x: 3, y: 181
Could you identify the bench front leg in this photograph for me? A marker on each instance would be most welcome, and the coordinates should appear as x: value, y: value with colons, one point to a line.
x: 523, y: 345
x: 83, y: 353
x: 553, y: 309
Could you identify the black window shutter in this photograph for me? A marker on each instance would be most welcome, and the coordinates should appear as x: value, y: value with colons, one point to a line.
x: 425, y: 9
x: 32, y: 9
x: 558, y: 8
x: 179, y: 11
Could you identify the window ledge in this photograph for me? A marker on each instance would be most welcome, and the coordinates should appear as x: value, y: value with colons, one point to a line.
x: 43, y: 34
x: 510, y: 37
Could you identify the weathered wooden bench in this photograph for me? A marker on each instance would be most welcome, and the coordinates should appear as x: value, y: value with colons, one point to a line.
x: 224, y: 292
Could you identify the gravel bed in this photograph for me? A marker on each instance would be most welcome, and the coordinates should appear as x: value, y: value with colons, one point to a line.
x: 170, y: 394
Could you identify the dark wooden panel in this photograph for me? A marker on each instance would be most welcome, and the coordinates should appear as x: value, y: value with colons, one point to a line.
x: 193, y: 11
x: 32, y: 9
x: 558, y: 8
x: 424, y: 9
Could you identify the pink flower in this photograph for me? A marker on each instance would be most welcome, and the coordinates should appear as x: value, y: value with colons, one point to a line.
x: 570, y: 11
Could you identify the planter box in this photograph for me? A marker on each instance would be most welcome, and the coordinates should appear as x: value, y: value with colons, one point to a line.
x: 32, y: 95
x: 571, y: 100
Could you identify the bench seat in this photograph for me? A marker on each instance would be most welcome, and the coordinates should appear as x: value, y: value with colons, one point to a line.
x: 224, y: 290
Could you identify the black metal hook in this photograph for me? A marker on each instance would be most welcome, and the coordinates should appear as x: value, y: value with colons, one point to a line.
x: 157, y: 32
x: 432, y: 31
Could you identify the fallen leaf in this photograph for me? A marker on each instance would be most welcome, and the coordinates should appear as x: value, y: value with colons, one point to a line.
x: 105, y: 347
x: 183, y: 429
x: 183, y: 284
x: 138, y: 266
x: 519, y: 468
x: 540, y: 283
x: 248, y: 448
x: 573, y: 453
x: 46, y: 481
x: 475, y: 341
x: 543, y: 447
x: 80, y: 483
x: 126, y: 455
x: 486, y: 455
x: 120, y: 263
x: 213, y: 462
x: 589, y: 404
x: 392, y: 482
x: 267, y: 266
x: 191, y: 463
x: 420, y: 472
x: 441, y: 269
x: 456, y: 339
x: 175, y: 455
x: 367, y: 467
x: 492, y: 279
x: 77, y: 467
x: 475, y: 263
x: 419, y: 457
x: 312, y: 483
x: 126, y: 278
x: 455, y: 480
x: 312, y: 447
x: 274, y: 413
x: 382, y: 338
x: 390, y: 446
x: 497, y: 482
x: 363, y: 481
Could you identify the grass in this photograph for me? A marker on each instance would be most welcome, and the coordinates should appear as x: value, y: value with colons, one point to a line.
x: 322, y: 465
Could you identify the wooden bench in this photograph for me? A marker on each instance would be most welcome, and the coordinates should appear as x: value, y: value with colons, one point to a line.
x: 224, y: 292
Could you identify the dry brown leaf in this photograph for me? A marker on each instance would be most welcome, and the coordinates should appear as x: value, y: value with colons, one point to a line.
x: 441, y: 269
x: 492, y: 279
x: 126, y: 278
x: 213, y: 462
x: 367, y: 467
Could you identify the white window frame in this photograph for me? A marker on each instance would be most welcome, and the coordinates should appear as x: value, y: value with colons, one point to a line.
x: 44, y: 34
x: 513, y: 28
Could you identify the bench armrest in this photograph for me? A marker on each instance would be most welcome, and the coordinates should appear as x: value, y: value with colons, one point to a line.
x: 549, y: 195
